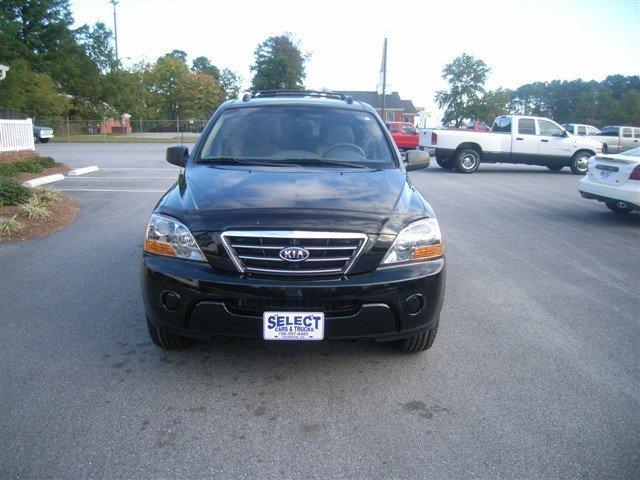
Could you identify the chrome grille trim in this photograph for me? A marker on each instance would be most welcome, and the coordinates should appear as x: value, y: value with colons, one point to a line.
x: 237, y: 251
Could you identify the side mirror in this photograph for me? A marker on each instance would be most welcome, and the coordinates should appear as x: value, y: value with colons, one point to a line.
x: 177, y: 156
x: 417, y: 159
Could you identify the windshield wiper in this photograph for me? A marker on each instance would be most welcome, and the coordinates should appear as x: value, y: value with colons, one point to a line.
x: 321, y: 161
x: 236, y: 160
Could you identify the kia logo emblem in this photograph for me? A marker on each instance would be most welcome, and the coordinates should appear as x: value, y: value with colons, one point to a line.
x: 294, y: 254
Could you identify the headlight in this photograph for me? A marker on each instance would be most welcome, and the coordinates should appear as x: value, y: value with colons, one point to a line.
x: 419, y: 240
x: 167, y: 236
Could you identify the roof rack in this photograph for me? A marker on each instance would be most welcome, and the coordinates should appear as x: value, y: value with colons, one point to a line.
x: 296, y: 93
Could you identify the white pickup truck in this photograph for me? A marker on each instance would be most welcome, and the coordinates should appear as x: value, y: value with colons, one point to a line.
x: 513, y: 139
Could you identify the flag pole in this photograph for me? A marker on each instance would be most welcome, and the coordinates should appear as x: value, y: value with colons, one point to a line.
x: 384, y: 78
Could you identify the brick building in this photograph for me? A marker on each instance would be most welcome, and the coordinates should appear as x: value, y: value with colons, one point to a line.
x: 396, y: 109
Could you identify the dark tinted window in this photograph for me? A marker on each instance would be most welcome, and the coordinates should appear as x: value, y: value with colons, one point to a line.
x: 568, y: 127
x: 636, y: 133
x: 272, y: 133
x: 527, y: 126
x: 502, y: 125
x: 626, y: 132
x: 582, y: 130
x: 549, y: 129
x: 610, y: 131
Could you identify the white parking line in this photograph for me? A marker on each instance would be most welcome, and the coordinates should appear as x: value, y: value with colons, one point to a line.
x: 90, y: 177
x: 109, y: 190
x: 140, y: 168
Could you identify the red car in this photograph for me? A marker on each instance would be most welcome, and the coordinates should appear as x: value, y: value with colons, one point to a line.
x: 404, y: 134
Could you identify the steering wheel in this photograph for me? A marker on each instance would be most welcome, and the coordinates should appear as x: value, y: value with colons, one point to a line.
x: 346, y: 146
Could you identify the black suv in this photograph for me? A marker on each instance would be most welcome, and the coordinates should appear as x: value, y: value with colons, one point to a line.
x: 293, y: 219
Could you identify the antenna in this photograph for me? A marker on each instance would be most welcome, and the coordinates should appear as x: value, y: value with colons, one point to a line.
x: 115, y: 26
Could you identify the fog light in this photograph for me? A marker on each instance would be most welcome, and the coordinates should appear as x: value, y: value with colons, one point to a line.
x: 414, y: 304
x: 171, y: 301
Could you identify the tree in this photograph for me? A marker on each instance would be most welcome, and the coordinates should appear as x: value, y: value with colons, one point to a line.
x: 492, y: 104
x: 98, y: 45
x: 279, y: 64
x: 204, y: 65
x: 179, y: 54
x: 198, y: 95
x: 34, y: 94
x: 230, y: 81
x: 466, y: 76
x: 162, y: 80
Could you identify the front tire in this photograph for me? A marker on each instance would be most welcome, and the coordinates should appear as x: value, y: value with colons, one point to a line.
x: 36, y: 139
x: 467, y: 161
x: 166, y: 340
x: 580, y: 162
x: 445, y: 163
x: 419, y: 342
x: 613, y: 206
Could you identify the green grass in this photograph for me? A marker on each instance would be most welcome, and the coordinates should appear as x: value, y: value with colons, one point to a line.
x: 10, y: 225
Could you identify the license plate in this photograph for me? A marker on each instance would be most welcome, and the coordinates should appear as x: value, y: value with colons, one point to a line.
x: 293, y: 325
x: 604, y: 174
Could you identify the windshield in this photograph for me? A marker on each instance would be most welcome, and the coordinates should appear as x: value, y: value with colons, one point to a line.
x: 298, y: 134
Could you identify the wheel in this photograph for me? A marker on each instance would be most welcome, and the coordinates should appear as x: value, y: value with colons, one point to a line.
x: 555, y: 168
x: 605, y: 149
x: 167, y: 340
x: 419, y: 342
x: 613, y: 206
x: 580, y: 162
x: 44, y: 140
x: 445, y: 163
x: 466, y: 161
x: 36, y: 139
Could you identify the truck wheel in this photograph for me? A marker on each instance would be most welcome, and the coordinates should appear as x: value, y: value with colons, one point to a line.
x: 419, y: 342
x: 467, y: 161
x: 167, y: 340
x: 614, y: 207
x: 44, y: 140
x: 36, y: 139
x: 555, y: 168
x: 445, y: 163
x: 580, y: 162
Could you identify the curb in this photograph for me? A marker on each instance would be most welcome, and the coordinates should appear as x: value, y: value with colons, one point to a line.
x: 82, y: 171
x: 35, y: 182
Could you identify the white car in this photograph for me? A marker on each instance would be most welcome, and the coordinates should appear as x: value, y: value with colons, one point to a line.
x: 615, y: 180
x: 514, y: 139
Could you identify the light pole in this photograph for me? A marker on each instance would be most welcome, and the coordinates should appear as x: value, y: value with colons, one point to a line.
x: 384, y: 78
x: 115, y: 27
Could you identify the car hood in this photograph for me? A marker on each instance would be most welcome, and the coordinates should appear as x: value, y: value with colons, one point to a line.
x: 218, y: 198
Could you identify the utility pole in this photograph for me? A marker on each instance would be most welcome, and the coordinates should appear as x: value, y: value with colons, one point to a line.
x: 384, y: 78
x: 115, y: 27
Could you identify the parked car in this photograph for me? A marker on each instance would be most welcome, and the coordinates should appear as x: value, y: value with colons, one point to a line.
x: 42, y: 134
x: 404, y: 135
x: 305, y: 233
x: 615, y: 180
x: 618, y: 139
x: 475, y: 126
x: 514, y: 139
x: 580, y: 129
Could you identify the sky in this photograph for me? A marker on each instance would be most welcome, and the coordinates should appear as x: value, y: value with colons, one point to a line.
x: 521, y: 41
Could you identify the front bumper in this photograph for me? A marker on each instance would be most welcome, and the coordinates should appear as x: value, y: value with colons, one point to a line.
x: 207, y: 296
x: 629, y: 192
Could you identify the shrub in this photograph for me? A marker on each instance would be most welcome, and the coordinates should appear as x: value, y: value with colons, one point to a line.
x: 8, y: 169
x: 10, y: 225
x: 44, y: 162
x: 48, y: 194
x: 11, y: 192
x: 28, y: 165
x: 35, y: 208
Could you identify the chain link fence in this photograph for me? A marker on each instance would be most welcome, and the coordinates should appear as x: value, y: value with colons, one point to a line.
x: 123, y: 130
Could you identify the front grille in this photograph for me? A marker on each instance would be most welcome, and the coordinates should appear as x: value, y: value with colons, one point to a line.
x: 329, y: 253
x: 255, y: 307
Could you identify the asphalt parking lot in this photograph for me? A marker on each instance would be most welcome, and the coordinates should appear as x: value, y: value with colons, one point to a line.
x: 535, y: 372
